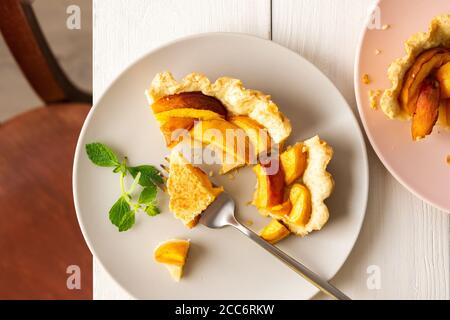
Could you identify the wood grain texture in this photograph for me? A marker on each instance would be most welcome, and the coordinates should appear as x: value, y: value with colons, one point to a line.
x: 126, y: 30
x: 41, y: 237
x: 406, y: 238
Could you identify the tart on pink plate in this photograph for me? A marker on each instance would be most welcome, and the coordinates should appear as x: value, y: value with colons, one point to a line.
x: 402, y: 84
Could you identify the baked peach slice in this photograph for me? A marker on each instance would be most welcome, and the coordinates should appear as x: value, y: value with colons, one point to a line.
x: 297, y: 218
x: 173, y: 254
x: 424, y: 66
x: 199, y: 114
x: 274, y: 232
x: 280, y: 210
x: 179, y: 111
x: 293, y: 161
x: 269, y: 187
x: 189, y: 100
x: 224, y: 136
x: 174, y: 128
x: 411, y: 74
x: 443, y: 76
x: 300, y: 198
x: 257, y: 134
x: 427, y: 109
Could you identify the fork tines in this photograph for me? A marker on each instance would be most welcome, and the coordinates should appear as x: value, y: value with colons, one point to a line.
x: 165, y: 167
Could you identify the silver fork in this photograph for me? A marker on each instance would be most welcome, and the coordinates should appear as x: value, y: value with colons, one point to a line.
x: 220, y: 214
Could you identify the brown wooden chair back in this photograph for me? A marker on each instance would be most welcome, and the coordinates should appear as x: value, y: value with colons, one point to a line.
x: 25, y: 39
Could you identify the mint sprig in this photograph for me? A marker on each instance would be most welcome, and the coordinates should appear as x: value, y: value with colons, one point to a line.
x: 123, y: 213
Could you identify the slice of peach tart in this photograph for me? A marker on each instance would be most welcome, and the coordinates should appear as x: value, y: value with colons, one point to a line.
x: 293, y: 196
x: 173, y: 254
x: 421, y: 81
x: 190, y: 191
x: 195, y: 105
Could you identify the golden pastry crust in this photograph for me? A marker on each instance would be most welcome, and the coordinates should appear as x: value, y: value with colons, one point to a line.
x: 318, y: 180
x: 189, y: 189
x: 438, y: 35
x: 374, y: 97
x: 231, y: 92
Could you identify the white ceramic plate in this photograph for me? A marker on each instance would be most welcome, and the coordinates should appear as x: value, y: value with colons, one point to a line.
x: 222, y: 264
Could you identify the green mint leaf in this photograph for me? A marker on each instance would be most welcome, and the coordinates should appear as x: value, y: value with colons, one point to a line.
x: 101, y: 155
x: 119, y: 211
x: 152, y: 210
x: 122, y: 167
x: 128, y: 221
x: 148, y: 195
x: 149, y: 175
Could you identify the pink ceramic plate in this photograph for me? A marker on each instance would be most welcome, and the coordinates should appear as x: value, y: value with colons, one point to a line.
x: 420, y: 166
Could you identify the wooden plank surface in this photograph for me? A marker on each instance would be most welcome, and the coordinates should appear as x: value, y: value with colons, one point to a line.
x: 403, y: 239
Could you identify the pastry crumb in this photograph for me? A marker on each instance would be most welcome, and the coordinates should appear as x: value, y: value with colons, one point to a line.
x: 366, y: 79
x: 377, y: 52
x: 448, y: 159
x: 211, y: 173
x: 374, y: 97
x: 385, y: 26
x: 249, y: 223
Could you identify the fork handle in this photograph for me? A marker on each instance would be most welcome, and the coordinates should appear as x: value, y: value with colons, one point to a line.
x: 294, y: 264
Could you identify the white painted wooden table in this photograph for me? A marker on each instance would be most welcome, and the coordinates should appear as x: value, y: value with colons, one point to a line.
x: 407, y: 239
